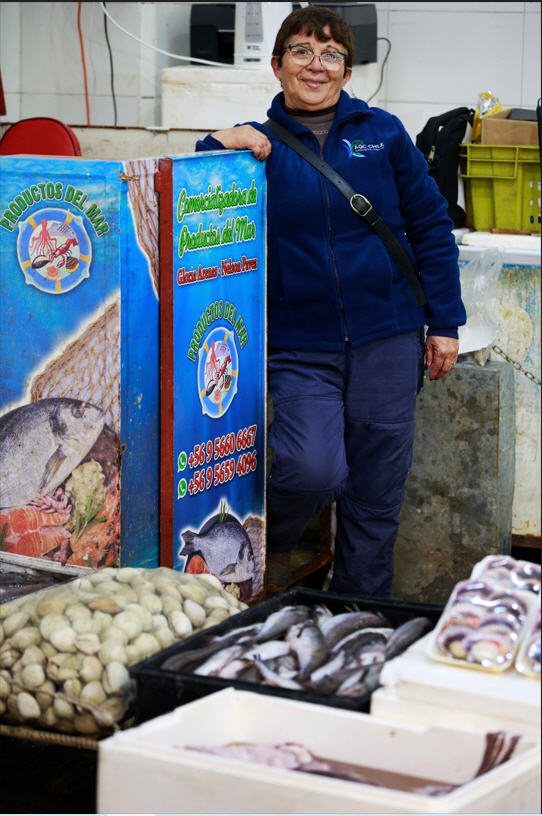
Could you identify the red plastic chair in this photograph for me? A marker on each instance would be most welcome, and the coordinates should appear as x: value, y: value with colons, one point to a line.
x: 41, y: 136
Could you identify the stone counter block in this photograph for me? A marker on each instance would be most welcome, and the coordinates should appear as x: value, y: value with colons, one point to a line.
x: 459, y: 494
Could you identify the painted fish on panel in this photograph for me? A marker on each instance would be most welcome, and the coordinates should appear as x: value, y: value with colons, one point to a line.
x: 41, y: 444
x: 225, y: 548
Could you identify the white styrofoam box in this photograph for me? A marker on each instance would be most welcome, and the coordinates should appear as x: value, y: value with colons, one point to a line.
x: 207, y: 98
x: 147, y: 769
x: 418, y: 689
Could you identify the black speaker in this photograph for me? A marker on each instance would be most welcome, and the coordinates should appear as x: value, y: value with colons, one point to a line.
x: 361, y: 17
x: 212, y: 27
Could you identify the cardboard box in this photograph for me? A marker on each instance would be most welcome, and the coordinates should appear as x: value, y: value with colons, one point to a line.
x: 498, y: 129
x: 148, y: 769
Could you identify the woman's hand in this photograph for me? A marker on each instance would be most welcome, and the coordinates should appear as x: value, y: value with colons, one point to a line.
x: 440, y: 355
x: 245, y: 137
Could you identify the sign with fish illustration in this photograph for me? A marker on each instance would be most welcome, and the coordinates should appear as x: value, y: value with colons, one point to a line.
x: 213, y: 505
x: 79, y: 445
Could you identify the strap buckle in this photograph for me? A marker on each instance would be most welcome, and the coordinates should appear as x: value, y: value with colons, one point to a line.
x: 364, y: 207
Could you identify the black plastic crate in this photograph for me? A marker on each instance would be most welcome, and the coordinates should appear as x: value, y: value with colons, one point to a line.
x: 161, y: 690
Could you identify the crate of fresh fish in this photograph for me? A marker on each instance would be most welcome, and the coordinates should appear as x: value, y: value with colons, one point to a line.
x: 240, y: 752
x: 303, y: 644
x: 483, y: 624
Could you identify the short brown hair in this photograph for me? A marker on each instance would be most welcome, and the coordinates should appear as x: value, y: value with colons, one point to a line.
x: 313, y: 20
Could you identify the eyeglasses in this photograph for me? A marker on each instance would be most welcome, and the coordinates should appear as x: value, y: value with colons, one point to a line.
x: 330, y: 60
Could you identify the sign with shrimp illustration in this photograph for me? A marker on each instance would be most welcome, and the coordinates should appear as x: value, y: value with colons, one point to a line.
x: 219, y: 425
x: 54, y: 250
x: 218, y: 369
x: 79, y: 444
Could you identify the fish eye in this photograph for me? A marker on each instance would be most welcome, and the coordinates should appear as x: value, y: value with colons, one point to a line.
x: 78, y: 411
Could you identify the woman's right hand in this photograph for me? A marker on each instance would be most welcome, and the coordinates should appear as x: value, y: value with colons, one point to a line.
x: 245, y: 137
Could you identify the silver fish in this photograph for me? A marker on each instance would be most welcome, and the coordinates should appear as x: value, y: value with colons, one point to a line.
x: 406, y: 634
x: 185, y: 661
x: 234, y: 668
x: 41, y: 444
x: 358, y: 686
x: 286, y: 666
x: 339, y: 626
x: 281, y: 620
x: 225, y: 547
x: 242, y: 634
x: 325, y: 671
x: 267, y: 651
x: 274, y: 679
x: 215, y: 664
x: 362, y: 639
x: 368, y: 681
x: 322, y: 613
x: 351, y: 682
x: 309, y: 644
x: 375, y: 653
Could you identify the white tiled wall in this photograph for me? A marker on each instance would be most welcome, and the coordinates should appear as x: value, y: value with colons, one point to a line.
x: 40, y: 58
x: 443, y: 55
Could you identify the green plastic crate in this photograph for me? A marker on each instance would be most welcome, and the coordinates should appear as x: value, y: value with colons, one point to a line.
x: 502, y: 186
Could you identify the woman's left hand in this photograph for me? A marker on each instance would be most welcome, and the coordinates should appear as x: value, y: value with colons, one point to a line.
x: 440, y: 355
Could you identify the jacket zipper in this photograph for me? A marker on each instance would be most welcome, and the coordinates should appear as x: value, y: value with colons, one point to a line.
x: 333, y: 261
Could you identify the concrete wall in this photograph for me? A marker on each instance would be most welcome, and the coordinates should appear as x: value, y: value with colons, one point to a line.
x: 443, y: 55
x: 459, y: 494
x: 517, y: 311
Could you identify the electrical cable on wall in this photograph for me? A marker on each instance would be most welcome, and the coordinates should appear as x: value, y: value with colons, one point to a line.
x: 112, y: 73
x: 222, y: 64
x: 160, y: 50
x: 79, y: 5
x: 384, y: 61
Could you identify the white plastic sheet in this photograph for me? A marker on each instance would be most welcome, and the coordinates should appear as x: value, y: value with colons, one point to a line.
x: 479, y: 279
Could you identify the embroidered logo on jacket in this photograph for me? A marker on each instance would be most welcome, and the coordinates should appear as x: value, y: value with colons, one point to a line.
x: 357, y: 148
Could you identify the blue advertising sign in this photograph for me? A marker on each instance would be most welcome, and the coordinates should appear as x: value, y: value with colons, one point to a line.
x: 79, y: 437
x: 219, y: 257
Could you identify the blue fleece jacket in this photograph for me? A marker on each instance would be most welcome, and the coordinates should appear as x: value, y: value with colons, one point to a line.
x: 330, y: 277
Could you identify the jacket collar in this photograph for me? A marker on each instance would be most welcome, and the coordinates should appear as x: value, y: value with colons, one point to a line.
x: 348, y: 109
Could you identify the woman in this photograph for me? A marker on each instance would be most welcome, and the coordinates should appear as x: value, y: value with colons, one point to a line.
x: 345, y: 338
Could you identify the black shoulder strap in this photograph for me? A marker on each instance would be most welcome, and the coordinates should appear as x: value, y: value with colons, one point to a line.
x: 360, y: 205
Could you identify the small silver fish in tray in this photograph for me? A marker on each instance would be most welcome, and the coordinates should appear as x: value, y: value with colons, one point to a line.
x: 300, y: 648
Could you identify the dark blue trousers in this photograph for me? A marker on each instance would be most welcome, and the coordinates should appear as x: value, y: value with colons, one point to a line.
x: 343, y: 430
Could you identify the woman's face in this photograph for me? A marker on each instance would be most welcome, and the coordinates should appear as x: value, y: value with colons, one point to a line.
x: 310, y: 87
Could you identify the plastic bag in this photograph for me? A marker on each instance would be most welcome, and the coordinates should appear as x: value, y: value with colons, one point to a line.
x: 479, y: 278
x: 65, y: 651
x: 487, y: 104
x: 482, y: 625
x: 528, y: 659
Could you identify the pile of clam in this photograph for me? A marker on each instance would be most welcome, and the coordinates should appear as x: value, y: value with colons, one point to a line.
x: 65, y: 651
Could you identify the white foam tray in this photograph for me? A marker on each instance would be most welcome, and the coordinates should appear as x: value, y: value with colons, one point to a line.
x: 418, y: 689
x: 147, y: 770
